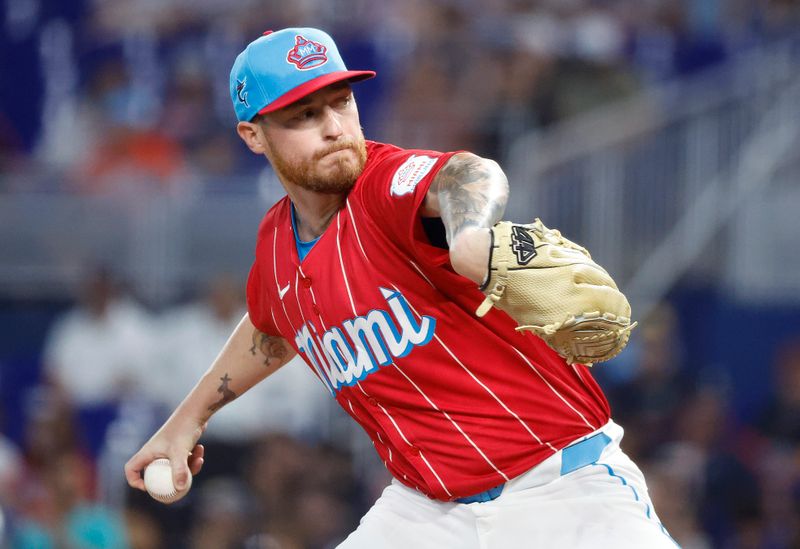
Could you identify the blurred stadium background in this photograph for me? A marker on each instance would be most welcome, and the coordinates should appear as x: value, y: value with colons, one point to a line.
x: 662, y: 134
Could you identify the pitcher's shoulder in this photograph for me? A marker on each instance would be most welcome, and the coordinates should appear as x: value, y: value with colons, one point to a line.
x: 276, y: 216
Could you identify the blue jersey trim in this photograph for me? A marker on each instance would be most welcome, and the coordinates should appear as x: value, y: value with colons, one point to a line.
x: 303, y: 247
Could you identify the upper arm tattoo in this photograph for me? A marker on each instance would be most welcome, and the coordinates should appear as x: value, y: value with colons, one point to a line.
x: 273, y: 348
x: 472, y: 193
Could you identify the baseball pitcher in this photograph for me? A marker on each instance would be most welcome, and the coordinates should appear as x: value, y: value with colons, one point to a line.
x: 458, y: 341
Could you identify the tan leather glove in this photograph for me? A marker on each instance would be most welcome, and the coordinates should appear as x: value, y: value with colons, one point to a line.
x: 552, y: 287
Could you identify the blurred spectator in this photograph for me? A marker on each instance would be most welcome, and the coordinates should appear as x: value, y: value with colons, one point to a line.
x: 276, y: 475
x: 143, y: 531
x: 139, y: 158
x: 11, y: 466
x: 152, y: 113
x: 50, y: 429
x: 647, y: 401
x: 331, y: 502
x: 305, y: 496
x: 64, y: 515
x: 727, y: 491
x: 223, y: 516
x: 189, y: 119
x: 780, y: 420
x: 779, y: 471
x: 98, y: 353
x: 674, y: 496
x: 54, y: 495
x: 442, y: 121
x: 121, y: 143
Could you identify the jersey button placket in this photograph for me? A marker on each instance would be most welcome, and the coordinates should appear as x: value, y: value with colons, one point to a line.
x: 306, y: 282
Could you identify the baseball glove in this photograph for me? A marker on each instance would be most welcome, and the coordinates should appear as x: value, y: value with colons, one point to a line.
x: 552, y: 287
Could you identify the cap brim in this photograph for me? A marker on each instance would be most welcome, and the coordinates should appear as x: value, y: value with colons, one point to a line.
x: 313, y: 85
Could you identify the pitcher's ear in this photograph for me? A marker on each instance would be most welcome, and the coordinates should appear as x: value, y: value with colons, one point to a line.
x: 252, y: 136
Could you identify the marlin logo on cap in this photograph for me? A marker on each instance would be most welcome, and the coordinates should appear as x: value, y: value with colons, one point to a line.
x: 241, y: 95
x: 307, y: 54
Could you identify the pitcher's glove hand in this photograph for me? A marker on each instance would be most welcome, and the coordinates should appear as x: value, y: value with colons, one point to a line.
x: 551, y: 286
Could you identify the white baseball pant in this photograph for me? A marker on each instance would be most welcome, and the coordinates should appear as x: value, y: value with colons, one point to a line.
x: 570, y: 500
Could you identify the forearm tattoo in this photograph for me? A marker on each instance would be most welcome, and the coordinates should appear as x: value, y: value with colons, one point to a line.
x: 272, y: 347
x: 226, y: 395
x: 472, y: 193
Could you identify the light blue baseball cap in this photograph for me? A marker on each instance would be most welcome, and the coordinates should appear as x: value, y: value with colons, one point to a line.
x: 281, y: 67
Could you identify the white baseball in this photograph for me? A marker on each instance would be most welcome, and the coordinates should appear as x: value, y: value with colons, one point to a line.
x: 158, y: 482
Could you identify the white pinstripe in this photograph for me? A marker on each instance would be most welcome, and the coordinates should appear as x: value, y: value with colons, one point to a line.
x: 323, y: 350
x: 553, y: 388
x: 275, y: 272
x: 514, y: 414
x: 386, y: 445
x: 476, y: 379
x: 296, y: 295
x: 580, y: 378
x: 341, y: 263
x: 434, y: 406
x: 403, y: 436
x: 355, y: 227
x: 275, y: 322
x: 322, y: 377
x: 358, y: 383
x: 434, y: 473
x: 396, y: 426
x: 317, y: 368
x: 313, y: 299
x: 451, y: 420
x: 421, y: 273
x: 487, y: 389
x: 272, y: 313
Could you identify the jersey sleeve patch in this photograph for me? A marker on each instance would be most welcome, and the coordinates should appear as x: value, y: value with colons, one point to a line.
x: 410, y: 173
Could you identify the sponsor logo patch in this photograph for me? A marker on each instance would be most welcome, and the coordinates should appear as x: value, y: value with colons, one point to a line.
x: 410, y: 173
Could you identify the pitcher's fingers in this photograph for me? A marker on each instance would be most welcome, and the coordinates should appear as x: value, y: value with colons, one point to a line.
x: 196, y: 459
x: 198, y: 451
x: 133, y: 472
x: 195, y: 465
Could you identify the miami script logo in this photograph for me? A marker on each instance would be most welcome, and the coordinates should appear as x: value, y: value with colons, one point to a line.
x: 346, y: 354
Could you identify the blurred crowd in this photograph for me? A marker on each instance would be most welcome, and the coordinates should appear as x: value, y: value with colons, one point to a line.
x: 718, y: 478
x: 111, y: 373
x: 131, y: 96
x: 285, y: 469
x: 134, y: 93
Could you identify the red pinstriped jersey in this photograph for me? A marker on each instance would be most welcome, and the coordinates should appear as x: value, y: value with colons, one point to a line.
x: 454, y: 404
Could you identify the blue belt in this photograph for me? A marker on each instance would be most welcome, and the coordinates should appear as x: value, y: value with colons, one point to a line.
x: 573, y: 458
